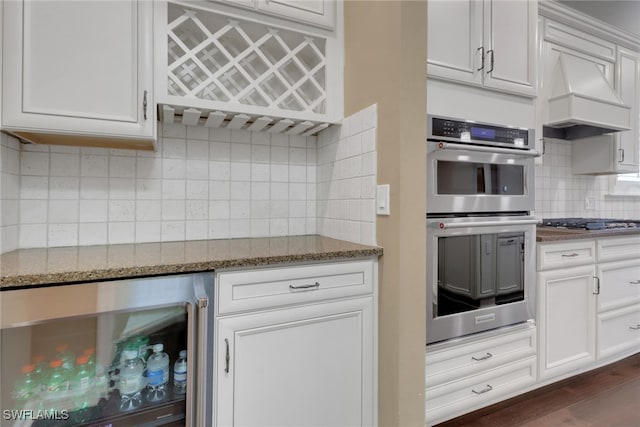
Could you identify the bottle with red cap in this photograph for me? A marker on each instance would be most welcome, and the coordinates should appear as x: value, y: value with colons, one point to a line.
x: 27, y: 387
x: 67, y: 357
x: 57, y: 381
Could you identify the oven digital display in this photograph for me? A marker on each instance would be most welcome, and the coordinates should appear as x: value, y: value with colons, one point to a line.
x: 484, y: 133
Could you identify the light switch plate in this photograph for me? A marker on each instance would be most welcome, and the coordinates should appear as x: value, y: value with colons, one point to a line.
x: 382, y: 200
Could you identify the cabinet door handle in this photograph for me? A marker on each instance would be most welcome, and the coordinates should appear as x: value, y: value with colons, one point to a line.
x: 635, y: 282
x: 492, y: 58
x: 621, y: 151
x: 313, y: 286
x: 484, y: 390
x: 481, y: 48
x: 227, y: 357
x: 597, y: 280
x: 144, y: 105
x: 635, y: 328
x: 573, y: 255
x: 485, y: 357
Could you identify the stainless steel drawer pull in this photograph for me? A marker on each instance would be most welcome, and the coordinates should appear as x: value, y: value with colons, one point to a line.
x: 573, y: 255
x: 485, y: 357
x: 227, y: 357
x: 635, y: 328
x: 484, y: 390
x: 304, y: 287
x: 635, y: 282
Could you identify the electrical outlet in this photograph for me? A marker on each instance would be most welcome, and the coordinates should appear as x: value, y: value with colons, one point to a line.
x: 589, y: 203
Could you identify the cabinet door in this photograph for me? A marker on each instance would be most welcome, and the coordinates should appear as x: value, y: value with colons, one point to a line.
x: 303, y: 366
x: 78, y: 68
x: 510, y: 43
x: 454, y: 40
x: 315, y: 12
x: 628, y: 88
x: 619, y: 331
x: 566, y: 320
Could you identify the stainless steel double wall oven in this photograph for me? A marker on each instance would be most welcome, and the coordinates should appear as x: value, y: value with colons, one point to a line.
x: 480, y: 232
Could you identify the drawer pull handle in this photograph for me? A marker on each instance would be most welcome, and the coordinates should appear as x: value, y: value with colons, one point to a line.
x: 484, y: 390
x: 485, y: 357
x: 227, y: 358
x: 635, y: 282
x: 573, y: 255
x: 304, y: 287
x: 635, y: 328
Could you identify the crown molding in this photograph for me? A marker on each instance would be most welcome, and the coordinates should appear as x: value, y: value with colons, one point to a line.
x: 569, y: 16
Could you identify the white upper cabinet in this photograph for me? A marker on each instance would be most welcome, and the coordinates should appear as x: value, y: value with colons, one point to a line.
x: 628, y: 87
x: 315, y: 12
x: 78, y: 69
x: 484, y: 43
x: 320, y: 13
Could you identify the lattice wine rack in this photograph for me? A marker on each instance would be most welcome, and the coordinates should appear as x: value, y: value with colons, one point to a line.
x: 223, y: 71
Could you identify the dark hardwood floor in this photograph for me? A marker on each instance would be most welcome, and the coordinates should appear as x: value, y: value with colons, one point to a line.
x: 605, y: 397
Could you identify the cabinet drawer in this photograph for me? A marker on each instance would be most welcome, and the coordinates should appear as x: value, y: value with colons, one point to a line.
x: 619, y: 284
x: 272, y: 287
x: 456, y: 398
x: 566, y: 254
x: 618, y: 330
x: 468, y: 359
x: 618, y: 248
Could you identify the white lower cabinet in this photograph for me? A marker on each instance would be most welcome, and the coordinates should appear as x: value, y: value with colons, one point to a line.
x: 618, y: 331
x: 566, y: 320
x: 478, y: 371
x: 303, y: 364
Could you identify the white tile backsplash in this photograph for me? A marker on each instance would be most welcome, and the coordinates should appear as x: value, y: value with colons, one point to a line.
x: 346, y: 179
x: 559, y: 193
x: 200, y: 184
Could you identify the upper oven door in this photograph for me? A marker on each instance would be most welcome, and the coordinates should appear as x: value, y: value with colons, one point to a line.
x: 474, y: 179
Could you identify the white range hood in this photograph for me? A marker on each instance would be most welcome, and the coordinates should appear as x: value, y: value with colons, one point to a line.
x: 582, y: 103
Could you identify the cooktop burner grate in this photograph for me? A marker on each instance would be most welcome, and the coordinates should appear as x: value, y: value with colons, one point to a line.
x: 591, y: 223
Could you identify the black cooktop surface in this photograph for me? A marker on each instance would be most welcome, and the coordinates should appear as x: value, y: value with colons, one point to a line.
x: 591, y: 223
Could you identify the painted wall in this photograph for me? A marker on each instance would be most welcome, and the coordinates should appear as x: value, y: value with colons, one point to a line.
x: 385, y: 64
x: 624, y: 14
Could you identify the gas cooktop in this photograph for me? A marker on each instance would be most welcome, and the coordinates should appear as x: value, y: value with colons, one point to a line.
x: 591, y: 223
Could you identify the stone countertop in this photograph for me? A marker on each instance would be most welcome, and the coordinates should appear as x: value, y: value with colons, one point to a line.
x: 30, y: 267
x: 552, y: 234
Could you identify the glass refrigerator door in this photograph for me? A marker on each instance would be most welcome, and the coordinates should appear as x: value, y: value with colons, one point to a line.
x: 124, y: 354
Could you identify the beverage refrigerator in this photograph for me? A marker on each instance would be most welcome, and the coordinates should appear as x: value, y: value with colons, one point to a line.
x: 108, y: 353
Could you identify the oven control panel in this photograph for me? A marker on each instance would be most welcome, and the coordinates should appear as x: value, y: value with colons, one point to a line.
x: 468, y: 131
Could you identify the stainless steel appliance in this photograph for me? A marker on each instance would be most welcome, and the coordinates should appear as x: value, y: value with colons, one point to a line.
x: 480, y: 234
x: 473, y: 168
x: 48, y: 330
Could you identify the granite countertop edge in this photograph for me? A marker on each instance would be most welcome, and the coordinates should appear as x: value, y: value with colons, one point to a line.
x: 551, y: 234
x: 77, y: 273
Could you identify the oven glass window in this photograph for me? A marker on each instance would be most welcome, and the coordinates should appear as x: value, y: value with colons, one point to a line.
x: 479, y: 271
x: 479, y: 178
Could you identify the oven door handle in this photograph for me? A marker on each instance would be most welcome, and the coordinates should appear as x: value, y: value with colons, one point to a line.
x: 490, y: 150
x: 447, y: 225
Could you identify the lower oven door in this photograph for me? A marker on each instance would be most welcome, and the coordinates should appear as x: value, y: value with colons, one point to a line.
x: 480, y: 274
x: 469, y: 178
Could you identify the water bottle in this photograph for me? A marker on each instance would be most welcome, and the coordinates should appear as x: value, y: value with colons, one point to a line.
x: 41, y: 369
x: 158, y: 368
x: 27, y: 387
x: 81, y: 384
x: 57, y: 381
x: 180, y: 374
x: 67, y: 357
x: 131, y: 380
x: 157, y: 374
x: 91, y: 355
x: 82, y: 379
